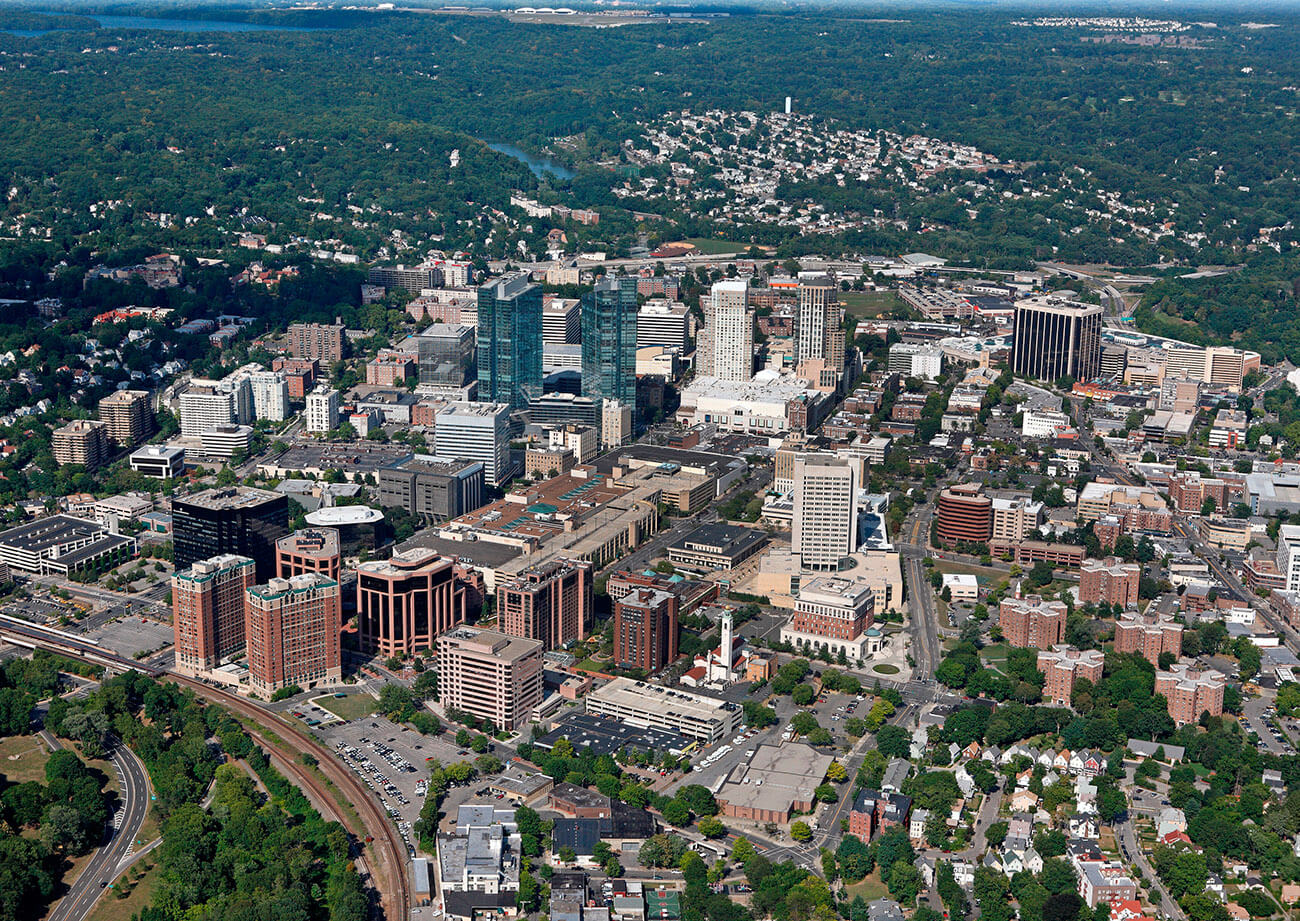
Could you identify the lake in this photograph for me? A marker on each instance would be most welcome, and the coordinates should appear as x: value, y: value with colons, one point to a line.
x: 539, y: 165
x: 166, y: 25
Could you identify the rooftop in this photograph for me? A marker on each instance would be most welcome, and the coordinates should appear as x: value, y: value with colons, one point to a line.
x: 234, y: 497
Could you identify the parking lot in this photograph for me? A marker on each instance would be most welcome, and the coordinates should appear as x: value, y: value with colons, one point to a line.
x: 40, y: 610
x: 132, y: 635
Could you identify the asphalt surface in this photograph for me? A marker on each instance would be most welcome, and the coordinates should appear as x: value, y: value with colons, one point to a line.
x: 104, y: 865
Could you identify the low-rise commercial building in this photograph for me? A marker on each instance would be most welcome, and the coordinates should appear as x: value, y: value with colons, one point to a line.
x: 776, y: 780
x: 834, y: 614
x: 654, y: 707
x: 716, y: 546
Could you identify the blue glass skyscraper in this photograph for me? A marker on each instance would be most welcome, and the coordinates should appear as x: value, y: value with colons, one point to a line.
x: 510, y: 341
x: 609, y: 340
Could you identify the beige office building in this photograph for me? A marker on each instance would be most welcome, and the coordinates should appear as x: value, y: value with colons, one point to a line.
x: 490, y: 675
x: 825, y: 511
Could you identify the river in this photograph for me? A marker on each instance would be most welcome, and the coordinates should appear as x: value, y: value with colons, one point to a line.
x: 539, y: 165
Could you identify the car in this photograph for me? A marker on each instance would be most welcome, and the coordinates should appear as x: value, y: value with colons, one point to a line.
x: 103, y: 883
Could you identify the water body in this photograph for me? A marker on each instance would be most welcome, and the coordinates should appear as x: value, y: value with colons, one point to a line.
x: 167, y: 25
x: 540, y: 166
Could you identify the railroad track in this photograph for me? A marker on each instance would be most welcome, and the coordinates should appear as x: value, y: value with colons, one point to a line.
x: 395, y: 896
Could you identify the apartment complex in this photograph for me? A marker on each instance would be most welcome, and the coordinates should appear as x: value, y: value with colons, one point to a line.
x: 825, y: 491
x: 726, y: 344
x: 292, y: 630
x: 83, y: 442
x: 322, y: 412
x: 1191, y: 691
x: 127, y: 416
x: 645, y: 629
x: 1030, y: 622
x: 1063, y: 665
x: 405, y: 602
x: 208, y: 610
x: 1110, y: 580
x: 1149, y: 635
x: 1014, y: 519
x: 311, y: 550
x: 319, y: 342
x: 550, y: 602
x: 491, y: 675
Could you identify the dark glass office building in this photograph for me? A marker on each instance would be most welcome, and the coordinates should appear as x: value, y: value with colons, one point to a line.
x: 1056, y: 338
x: 237, y: 520
x: 510, y: 341
x: 609, y: 340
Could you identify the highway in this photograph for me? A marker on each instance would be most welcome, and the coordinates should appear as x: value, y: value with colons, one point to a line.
x: 116, y: 852
x: 923, y: 614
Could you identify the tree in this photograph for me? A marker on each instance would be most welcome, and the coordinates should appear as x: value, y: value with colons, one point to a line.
x: 710, y: 827
x: 803, y: 695
x: 996, y: 834
x: 800, y: 831
x: 675, y: 812
x: 837, y: 772
x: 894, y: 741
x: 904, y: 881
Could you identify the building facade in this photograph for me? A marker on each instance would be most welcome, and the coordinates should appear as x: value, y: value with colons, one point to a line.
x: 609, y: 317
x: 825, y: 511
x: 645, y: 630
x: 319, y: 342
x: 127, y: 416
x: 510, y: 341
x: 292, y: 629
x: 491, y: 675
x: 550, y: 602
x: 1056, y: 338
x: 1149, y: 635
x: 208, y: 610
x: 476, y: 432
x: 1062, y: 666
x: 963, y: 516
x: 83, y: 442
x: 1029, y: 622
x: 1110, y: 580
x: 1190, y: 691
x: 727, y: 340
x: 322, y: 413
x: 404, y: 603
x: 309, y: 550
x: 238, y: 519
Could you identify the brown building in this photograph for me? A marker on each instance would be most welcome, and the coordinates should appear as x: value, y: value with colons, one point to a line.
x: 83, y: 442
x: 299, y: 375
x: 404, y: 603
x: 1190, y: 691
x: 691, y: 593
x: 1149, y: 635
x: 318, y: 341
x: 391, y: 368
x: 309, y: 550
x: 963, y: 516
x: 1110, y: 580
x: 495, y: 677
x: 551, y: 602
x: 1028, y: 552
x: 577, y: 802
x: 1032, y: 623
x: 1189, y: 490
x: 1063, y: 665
x: 545, y: 461
x: 208, y: 611
x: 645, y: 630
x: 127, y: 416
x: 292, y: 628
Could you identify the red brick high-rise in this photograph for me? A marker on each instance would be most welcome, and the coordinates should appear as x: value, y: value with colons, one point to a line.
x: 1110, y: 580
x: 964, y: 516
x: 293, y: 627
x: 1032, y: 623
x: 1149, y: 635
x: 1190, y: 691
x: 551, y: 602
x: 208, y: 610
x: 645, y: 630
x: 1062, y: 666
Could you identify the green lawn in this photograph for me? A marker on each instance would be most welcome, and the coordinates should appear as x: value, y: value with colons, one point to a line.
x: 352, y: 707
x: 22, y: 758
x: 988, y: 575
x: 591, y: 665
x: 884, y: 668
x: 870, y: 888
x: 709, y: 246
x: 139, y: 879
x: 870, y: 303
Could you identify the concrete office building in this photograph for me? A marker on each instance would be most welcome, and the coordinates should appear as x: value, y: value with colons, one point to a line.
x: 815, y: 315
x: 562, y: 320
x: 509, y: 341
x: 916, y: 360
x: 645, y: 630
x: 1288, y: 555
x: 1032, y: 623
x: 609, y: 315
x: 208, y: 610
x: 206, y: 404
x: 651, y: 706
x: 476, y: 432
x: 550, y: 602
x: 158, y: 461
x: 1149, y: 635
x: 127, y: 416
x: 83, y: 442
x: 322, y: 413
x: 404, y: 603
x: 321, y: 342
x: 309, y: 550
x: 582, y: 440
x: 615, y: 423
x: 491, y: 675
x: 1110, y: 580
x: 237, y: 519
x: 1191, y: 691
x: 663, y: 324
x: 1056, y: 338
x: 825, y: 511
x: 726, y: 344
x: 431, y: 488
x: 223, y: 442
x: 292, y: 632
x: 1062, y: 666
x: 1014, y: 519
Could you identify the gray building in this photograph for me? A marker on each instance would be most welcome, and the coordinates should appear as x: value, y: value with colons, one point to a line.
x: 433, y: 488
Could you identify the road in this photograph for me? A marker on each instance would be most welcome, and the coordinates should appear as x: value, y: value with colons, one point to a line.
x: 923, y: 613
x: 1130, y: 851
x: 116, y: 852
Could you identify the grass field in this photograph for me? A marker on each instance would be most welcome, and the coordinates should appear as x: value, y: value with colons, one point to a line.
x: 870, y: 888
x: 140, y: 880
x: 884, y: 668
x: 22, y: 758
x: 709, y: 246
x: 352, y: 707
x: 988, y: 575
x: 870, y: 303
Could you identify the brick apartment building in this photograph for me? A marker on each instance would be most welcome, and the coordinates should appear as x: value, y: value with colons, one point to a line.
x: 1149, y: 635
x: 1032, y: 623
x: 1063, y: 665
x: 1110, y: 580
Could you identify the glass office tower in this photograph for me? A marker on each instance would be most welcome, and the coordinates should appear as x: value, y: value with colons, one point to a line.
x: 609, y: 341
x: 510, y: 341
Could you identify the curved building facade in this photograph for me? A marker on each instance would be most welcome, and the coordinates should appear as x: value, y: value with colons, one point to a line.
x: 963, y: 516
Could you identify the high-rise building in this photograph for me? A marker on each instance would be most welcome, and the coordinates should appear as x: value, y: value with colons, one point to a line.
x: 1149, y: 635
x: 963, y: 516
x: 825, y: 511
x: 562, y: 320
x: 292, y: 629
x: 551, y: 602
x: 1056, y: 338
x: 476, y: 432
x: 1288, y: 555
x: 446, y: 356
x: 816, y: 315
x: 727, y: 340
x: 208, y: 610
x: 270, y: 395
x: 128, y: 417
x: 237, y: 519
x: 309, y: 550
x: 490, y: 675
x: 615, y: 423
x: 1190, y: 691
x: 1031, y: 622
x: 207, y: 404
x: 431, y: 488
x: 320, y: 342
x: 82, y: 441
x: 913, y: 359
x: 663, y: 324
x: 645, y: 629
x: 510, y: 341
x: 1063, y: 665
x: 1110, y: 580
x: 404, y: 603
x: 1013, y: 519
x: 609, y: 315
x: 322, y: 412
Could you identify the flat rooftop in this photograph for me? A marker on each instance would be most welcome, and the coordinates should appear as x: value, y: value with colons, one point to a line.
x: 234, y: 497
x: 608, y: 736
